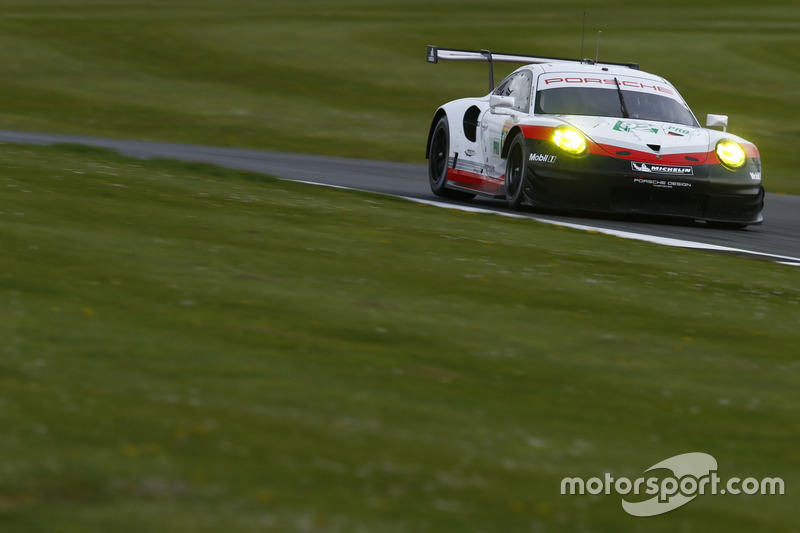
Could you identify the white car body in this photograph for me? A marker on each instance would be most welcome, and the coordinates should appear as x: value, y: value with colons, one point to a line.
x: 644, y: 150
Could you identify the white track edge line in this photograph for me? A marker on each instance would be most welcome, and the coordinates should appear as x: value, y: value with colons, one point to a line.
x: 664, y: 241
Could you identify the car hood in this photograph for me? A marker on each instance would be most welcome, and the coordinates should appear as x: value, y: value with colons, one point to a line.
x: 634, y: 137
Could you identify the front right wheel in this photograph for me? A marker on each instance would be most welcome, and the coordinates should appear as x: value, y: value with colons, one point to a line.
x: 516, y: 163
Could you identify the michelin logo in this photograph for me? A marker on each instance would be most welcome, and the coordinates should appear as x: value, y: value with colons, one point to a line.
x: 661, y: 169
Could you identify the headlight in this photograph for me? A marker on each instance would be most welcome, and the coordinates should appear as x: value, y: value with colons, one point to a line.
x: 731, y: 154
x: 570, y: 140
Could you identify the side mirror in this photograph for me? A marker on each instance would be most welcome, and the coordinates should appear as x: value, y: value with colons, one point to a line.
x: 501, y: 105
x: 496, y: 100
x: 720, y: 121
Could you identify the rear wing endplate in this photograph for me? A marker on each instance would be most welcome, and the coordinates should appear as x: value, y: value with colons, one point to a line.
x: 450, y: 54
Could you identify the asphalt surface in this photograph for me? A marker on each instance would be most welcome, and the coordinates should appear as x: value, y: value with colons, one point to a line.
x: 778, y: 238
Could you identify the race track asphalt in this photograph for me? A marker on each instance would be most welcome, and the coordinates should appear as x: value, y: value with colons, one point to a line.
x: 778, y: 238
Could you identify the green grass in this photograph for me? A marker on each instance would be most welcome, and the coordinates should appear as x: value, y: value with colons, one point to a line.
x: 187, y: 348
x: 349, y: 77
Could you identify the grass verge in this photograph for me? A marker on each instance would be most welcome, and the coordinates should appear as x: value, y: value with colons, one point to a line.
x: 192, y: 348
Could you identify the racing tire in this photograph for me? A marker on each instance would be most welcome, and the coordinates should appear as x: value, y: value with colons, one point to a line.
x: 438, y: 160
x: 516, y: 164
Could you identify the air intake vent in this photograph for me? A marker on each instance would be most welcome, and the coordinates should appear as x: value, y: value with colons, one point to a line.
x: 471, y: 123
x: 654, y: 147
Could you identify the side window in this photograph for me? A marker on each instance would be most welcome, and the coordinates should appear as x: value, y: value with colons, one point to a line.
x: 502, y: 89
x: 521, y: 91
x: 517, y: 85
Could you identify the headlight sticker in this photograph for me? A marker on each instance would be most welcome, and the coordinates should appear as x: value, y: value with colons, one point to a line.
x: 731, y: 154
x: 570, y: 140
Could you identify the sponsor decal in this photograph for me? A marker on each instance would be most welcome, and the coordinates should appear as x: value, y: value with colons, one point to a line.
x: 662, y: 169
x: 542, y: 158
x: 609, y: 81
x: 627, y: 126
x: 507, y: 125
x: 469, y: 152
x: 755, y: 176
x: 496, y: 147
x: 677, y: 132
x: 662, y: 184
x: 431, y: 54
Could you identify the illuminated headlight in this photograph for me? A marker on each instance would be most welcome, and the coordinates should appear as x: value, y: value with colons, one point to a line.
x: 569, y: 140
x: 731, y: 154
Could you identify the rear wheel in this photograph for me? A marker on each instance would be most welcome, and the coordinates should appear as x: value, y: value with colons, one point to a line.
x: 438, y: 161
x: 439, y: 155
x: 515, y: 172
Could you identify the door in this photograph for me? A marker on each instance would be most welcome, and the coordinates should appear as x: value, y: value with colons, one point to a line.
x: 496, y: 123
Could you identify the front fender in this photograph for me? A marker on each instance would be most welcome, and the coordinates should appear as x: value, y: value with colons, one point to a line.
x: 510, y: 137
x: 438, y: 115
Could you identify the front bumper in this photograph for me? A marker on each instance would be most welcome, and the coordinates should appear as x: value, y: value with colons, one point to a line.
x: 612, y: 185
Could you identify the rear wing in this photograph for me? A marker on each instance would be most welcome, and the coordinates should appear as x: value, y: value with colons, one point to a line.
x: 450, y: 54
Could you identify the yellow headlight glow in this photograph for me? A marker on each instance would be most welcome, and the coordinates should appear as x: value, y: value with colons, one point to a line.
x: 570, y: 140
x: 731, y: 154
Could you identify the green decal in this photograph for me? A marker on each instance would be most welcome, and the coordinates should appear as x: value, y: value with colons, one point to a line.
x: 672, y: 130
x: 626, y: 126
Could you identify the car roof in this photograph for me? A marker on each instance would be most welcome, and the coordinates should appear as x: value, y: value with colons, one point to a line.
x: 569, y: 67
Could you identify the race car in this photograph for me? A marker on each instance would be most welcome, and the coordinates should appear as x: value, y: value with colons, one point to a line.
x: 590, y: 136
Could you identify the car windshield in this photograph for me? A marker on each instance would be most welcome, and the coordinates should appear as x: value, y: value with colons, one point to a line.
x: 606, y: 102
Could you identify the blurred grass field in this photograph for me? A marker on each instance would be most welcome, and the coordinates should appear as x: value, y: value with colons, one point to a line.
x: 349, y: 78
x: 187, y: 348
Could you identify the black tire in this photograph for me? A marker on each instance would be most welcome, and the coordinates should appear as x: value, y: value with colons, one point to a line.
x: 439, y: 157
x: 516, y: 164
x: 438, y: 161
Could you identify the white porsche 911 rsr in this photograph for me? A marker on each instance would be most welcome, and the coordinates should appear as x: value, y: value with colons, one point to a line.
x: 591, y: 136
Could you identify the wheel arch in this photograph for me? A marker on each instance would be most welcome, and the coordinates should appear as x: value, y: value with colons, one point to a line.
x: 513, y: 132
x: 436, y: 117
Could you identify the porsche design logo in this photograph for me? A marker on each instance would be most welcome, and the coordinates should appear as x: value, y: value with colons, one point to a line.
x: 662, y: 184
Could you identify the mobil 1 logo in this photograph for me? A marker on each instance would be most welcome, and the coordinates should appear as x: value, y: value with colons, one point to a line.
x: 542, y: 158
